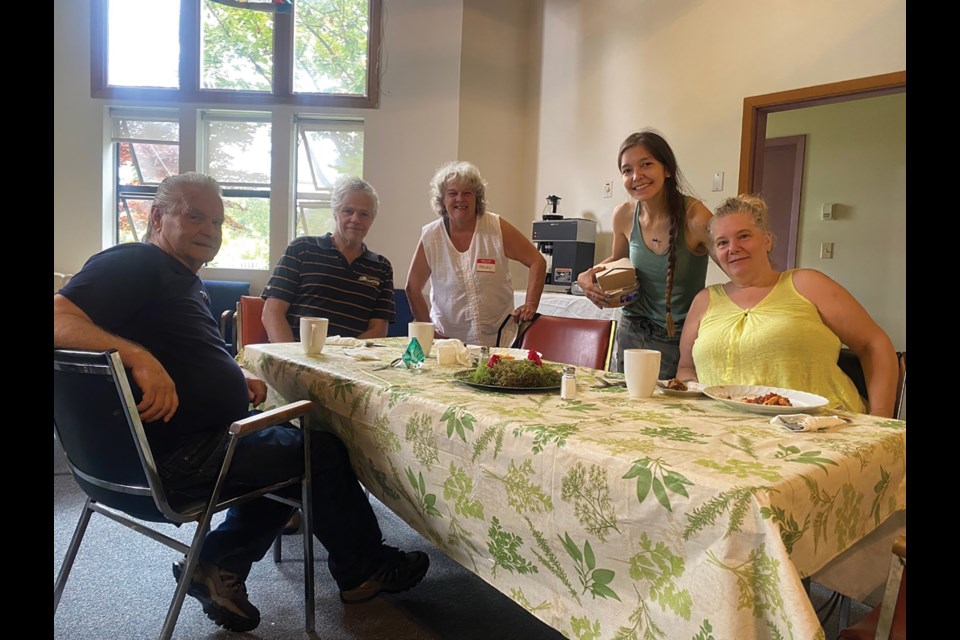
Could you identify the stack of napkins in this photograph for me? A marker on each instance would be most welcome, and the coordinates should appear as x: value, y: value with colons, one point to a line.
x: 451, y: 352
x: 803, y: 422
x: 344, y: 342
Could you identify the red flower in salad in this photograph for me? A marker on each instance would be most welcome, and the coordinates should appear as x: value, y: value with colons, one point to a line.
x: 494, y: 359
x: 534, y: 357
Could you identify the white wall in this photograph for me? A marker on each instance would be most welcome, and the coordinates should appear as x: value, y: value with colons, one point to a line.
x: 856, y: 158
x: 684, y: 68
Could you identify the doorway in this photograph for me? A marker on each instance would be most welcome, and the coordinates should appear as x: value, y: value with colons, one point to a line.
x: 755, y: 109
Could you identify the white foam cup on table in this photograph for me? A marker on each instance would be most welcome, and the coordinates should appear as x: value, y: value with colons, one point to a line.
x: 423, y: 332
x: 313, y: 334
x: 641, y: 368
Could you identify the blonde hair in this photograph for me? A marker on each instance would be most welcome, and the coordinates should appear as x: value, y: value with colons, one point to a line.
x: 747, y: 203
x: 744, y: 203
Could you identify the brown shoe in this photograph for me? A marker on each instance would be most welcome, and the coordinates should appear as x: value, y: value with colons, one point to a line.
x: 222, y: 594
x: 294, y: 524
x: 400, y: 572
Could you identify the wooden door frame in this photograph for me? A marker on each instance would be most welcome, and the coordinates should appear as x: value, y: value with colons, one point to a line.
x: 755, y: 110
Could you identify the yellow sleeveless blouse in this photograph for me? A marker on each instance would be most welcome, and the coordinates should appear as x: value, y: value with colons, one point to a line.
x: 780, y: 342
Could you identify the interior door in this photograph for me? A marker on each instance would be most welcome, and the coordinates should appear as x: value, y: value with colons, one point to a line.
x: 781, y: 185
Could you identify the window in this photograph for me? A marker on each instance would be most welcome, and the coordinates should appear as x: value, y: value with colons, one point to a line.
x: 237, y: 152
x: 146, y: 149
x: 310, y: 52
x: 326, y: 150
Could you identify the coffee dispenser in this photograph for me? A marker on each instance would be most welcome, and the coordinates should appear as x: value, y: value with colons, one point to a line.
x: 568, y: 244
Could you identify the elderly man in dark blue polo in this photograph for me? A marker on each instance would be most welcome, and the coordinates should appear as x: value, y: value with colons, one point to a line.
x: 333, y: 276
x: 145, y: 300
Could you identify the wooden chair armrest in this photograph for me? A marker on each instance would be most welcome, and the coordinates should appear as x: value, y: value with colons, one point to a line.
x: 900, y: 546
x: 270, y: 418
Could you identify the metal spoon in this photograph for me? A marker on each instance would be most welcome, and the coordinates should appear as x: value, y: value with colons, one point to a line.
x: 387, y: 366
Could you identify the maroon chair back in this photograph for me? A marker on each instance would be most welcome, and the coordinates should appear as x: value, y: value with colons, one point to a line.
x: 578, y: 341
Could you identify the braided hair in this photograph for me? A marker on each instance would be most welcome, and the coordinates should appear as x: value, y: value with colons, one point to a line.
x: 676, y: 202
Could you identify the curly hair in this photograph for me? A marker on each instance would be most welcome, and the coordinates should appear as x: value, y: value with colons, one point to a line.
x: 676, y: 203
x: 461, y: 172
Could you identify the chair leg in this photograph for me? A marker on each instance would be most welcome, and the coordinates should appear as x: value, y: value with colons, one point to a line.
x: 180, y: 594
x: 278, y: 548
x: 71, y: 554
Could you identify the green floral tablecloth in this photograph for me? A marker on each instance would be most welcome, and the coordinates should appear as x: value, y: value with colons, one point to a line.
x: 607, y: 517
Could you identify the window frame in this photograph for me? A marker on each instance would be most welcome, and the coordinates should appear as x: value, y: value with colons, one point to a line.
x: 190, y: 91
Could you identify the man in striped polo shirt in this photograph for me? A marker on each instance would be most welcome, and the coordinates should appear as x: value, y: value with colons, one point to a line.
x: 333, y: 276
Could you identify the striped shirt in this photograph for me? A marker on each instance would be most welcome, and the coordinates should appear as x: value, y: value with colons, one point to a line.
x: 317, y: 281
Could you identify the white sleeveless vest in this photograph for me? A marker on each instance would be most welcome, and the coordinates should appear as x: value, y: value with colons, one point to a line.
x: 471, y: 293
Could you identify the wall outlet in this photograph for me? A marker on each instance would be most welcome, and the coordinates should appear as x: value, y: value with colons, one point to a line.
x: 608, y: 189
x: 826, y: 250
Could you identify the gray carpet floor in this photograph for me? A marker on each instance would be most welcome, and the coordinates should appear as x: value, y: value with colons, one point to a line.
x: 121, y: 585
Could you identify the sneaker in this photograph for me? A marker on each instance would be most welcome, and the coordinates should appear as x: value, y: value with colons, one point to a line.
x: 400, y: 572
x: 222, y: 594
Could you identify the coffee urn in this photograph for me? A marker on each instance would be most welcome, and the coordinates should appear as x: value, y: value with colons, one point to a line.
x: 568, y: 244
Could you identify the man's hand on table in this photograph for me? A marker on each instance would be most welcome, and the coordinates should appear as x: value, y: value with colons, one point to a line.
x: 256, y: 387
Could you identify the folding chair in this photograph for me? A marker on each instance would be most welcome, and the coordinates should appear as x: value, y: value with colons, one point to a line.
x: 96, y: 420
x: 582, y: 342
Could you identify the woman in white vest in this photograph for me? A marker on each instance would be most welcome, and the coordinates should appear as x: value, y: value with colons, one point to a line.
x: 464, y: 256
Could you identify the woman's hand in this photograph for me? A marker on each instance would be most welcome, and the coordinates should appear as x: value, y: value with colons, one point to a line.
x: 525, y: 312
x: 588, y: 282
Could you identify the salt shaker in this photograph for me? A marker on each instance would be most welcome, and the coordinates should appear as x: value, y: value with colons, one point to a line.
x: 568, y: 384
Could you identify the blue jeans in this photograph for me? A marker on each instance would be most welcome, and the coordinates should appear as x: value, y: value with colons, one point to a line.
x: 343, y: 520
x: 643, y: 333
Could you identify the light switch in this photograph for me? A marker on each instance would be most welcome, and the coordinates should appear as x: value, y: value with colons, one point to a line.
x: 826, y: 250
x: 718, y: 181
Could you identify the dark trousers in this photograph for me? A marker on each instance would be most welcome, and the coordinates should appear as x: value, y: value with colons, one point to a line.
x: 343, y: 520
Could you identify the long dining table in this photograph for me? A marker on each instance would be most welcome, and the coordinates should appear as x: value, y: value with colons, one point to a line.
x: 607, y: 517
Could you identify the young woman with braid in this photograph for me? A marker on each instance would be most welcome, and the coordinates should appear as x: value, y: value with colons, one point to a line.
x: 664, y: 232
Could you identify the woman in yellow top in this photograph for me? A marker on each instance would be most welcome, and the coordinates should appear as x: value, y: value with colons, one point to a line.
x: 780, y: 329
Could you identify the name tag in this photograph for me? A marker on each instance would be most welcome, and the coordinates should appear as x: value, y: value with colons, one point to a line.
x: 486, y: 265
x: 368, y: 280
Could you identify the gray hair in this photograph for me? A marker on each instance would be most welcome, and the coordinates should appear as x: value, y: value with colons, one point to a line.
x: 463, y: 172
x: 350, y: 184
x: 170, y: 193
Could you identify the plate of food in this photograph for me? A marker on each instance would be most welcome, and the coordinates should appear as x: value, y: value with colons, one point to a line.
x: 766, y: 400
x: 674, y: 387
x: 507, y: 374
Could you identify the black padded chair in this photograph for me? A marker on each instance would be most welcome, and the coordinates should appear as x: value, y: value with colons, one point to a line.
x: 849, y: 363
x: 96, y: 421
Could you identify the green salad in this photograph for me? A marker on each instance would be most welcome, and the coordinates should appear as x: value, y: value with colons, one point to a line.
x: 505, y: 372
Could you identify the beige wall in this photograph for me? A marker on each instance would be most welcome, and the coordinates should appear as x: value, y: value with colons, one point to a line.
x: 856, y: 157
x: 499, y: 97
x: 684, y: 67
